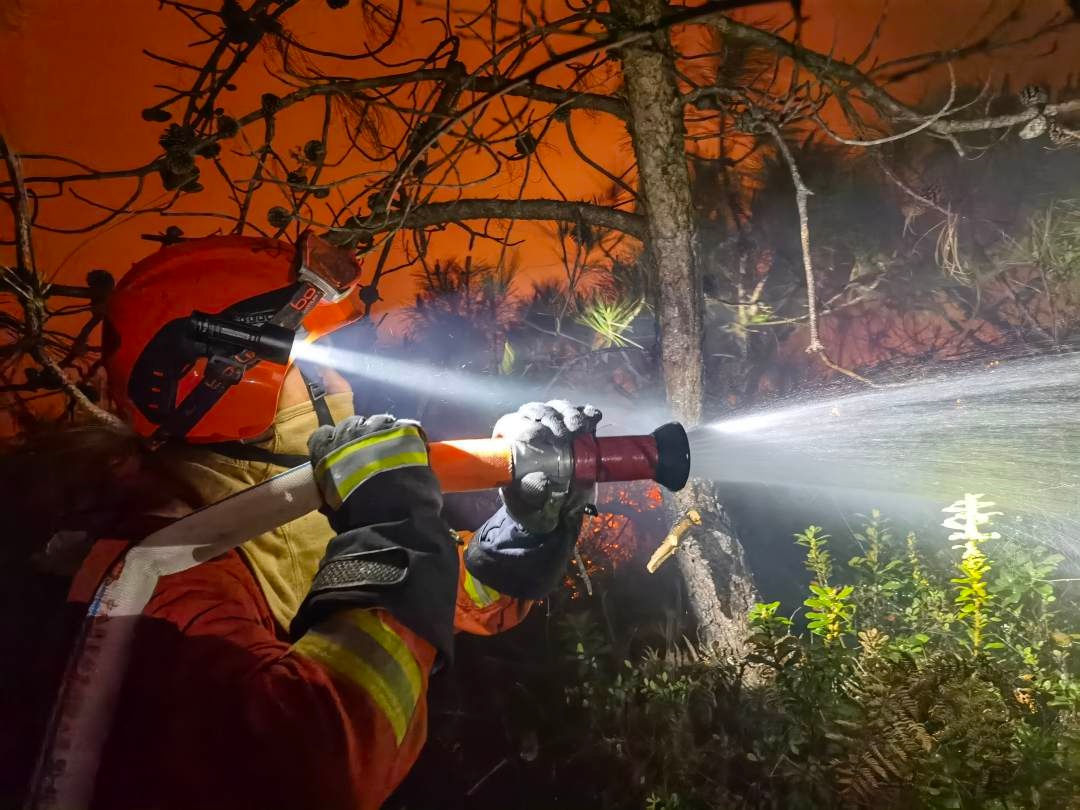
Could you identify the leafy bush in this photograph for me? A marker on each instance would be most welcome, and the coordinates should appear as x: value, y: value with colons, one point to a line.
x: 921, y: 680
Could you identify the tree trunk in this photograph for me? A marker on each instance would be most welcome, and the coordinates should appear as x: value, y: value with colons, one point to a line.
x: 719, y: 584
x: 718, y: 581
x: 656, y: 125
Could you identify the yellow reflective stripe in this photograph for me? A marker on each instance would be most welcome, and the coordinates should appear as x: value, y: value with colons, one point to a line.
x: 360, y: 648
x: 365, y: 441
x: 355, y: 478
x: 481, y: 594
x: 334, y: 657
x: 346, y: 468
x: 394, y: 645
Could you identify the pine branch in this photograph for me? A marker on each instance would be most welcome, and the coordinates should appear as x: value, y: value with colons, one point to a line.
x: 436, y: 214
x: 830, y: 70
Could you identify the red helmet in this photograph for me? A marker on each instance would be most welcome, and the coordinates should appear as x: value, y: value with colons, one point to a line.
x: 170, y: 382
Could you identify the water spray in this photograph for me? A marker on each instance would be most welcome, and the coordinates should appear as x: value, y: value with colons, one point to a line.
x: 1006, y: 429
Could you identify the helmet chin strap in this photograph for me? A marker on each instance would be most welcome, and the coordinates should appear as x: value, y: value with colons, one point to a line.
x: 250, y: 452
x: 225, y: 371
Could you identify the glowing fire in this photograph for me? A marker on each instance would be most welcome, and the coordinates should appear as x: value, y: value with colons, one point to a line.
x: 615, y: 535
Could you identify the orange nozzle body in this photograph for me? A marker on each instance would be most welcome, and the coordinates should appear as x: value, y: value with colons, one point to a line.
x: 468, y: 465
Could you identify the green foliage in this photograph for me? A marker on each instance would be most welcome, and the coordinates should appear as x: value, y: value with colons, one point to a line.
x: 877, y: 577
x: 818, y: 559
x: 1052, y: 241
x: 831, y: 611
x: 610, y: 321
x: 656, y: 802
x: 920, y: 681
x: 506, y: 365
x: 973, y: 597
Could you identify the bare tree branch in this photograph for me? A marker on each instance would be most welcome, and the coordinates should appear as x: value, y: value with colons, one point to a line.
x: 828, y: 69
x: 443, y: 213
x: 33, y: 303
x: 802, y: 194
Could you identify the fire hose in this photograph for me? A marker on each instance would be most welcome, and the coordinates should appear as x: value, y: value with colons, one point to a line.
x: 84, y: 708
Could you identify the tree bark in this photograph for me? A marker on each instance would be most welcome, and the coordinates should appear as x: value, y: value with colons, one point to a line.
x: 718, y: 580
x: 656, y: 125
x: 719, y: 584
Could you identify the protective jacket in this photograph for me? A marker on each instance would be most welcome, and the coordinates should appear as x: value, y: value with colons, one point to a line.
x: 220, y: 709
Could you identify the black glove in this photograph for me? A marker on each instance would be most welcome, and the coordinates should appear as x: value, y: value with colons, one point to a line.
x: 523, y: 549
x: 393, y: 550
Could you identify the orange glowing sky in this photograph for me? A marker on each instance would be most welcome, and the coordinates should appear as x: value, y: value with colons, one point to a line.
x: 76, y: 79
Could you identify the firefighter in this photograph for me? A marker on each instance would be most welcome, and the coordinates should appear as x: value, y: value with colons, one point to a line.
x: 293, y: 671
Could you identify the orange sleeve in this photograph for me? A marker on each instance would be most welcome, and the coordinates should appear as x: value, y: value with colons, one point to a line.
x: 224, y: 713
x: 483, y: 611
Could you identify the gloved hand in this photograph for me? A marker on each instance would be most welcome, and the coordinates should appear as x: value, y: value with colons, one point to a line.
x: 393, y: 550
x: 523, y: 549
x: 537, y: 502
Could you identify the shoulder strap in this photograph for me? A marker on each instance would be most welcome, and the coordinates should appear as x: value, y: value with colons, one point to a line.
x: 317, y: 394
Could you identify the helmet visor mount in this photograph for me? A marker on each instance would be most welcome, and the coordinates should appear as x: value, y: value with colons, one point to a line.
x: 193, y: 362
x: 320, y: 267
x: 215, y: 335
x: 330, y: 269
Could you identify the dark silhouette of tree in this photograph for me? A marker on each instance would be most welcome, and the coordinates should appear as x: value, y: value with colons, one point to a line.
x: 461, y: 312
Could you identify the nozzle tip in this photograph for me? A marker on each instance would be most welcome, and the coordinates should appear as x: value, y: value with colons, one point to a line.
x: 672, y: 456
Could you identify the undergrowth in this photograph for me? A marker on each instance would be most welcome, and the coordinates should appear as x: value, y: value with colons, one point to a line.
x: 916, y: 679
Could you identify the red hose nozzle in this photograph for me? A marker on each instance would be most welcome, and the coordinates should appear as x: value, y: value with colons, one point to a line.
x: 662, y: 456
x: 475, y: 464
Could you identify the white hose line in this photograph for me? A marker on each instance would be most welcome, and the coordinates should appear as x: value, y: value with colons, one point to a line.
x: 83, y: 711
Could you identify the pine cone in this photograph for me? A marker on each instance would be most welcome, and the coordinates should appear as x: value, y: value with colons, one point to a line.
x: 525, y: 143
x: 270, y: 103
x: 314, y: 151
x: 278, y: 217
x: 227, y: 126
x: 177, y: 138
x: 1033, y: 95
x: 369, y: 294
x: 156, y: 114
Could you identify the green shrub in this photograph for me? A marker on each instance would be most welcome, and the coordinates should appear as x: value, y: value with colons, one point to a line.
x: 916, y: 684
